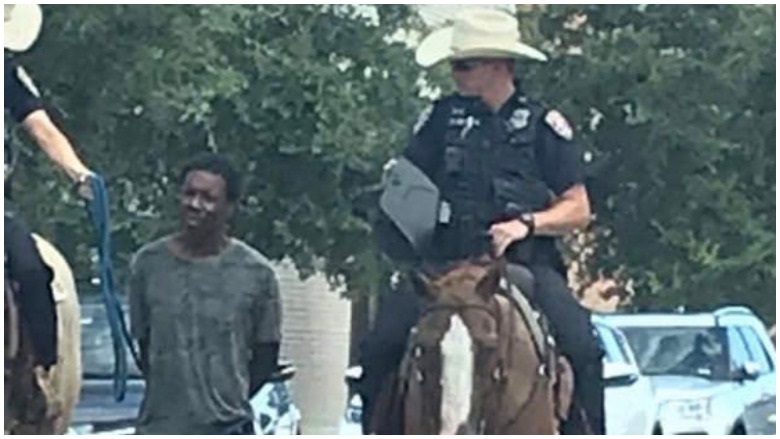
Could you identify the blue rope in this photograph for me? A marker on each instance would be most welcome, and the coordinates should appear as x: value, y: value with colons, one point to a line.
x: 98, y: 210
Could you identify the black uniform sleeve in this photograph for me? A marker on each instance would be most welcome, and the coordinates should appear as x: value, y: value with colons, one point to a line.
x: 560, y: 157
x: 426, y: 145
x: 21, y: 96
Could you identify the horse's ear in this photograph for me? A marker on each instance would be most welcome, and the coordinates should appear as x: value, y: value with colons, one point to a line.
x: 488, y: 285
x: 427, y: 284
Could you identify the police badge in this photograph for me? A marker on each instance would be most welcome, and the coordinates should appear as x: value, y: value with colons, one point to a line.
x: 519, y: 119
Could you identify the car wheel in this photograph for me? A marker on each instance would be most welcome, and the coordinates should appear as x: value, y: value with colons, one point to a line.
x: 739, y: 429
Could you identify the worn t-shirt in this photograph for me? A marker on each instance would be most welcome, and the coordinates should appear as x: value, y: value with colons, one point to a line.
x: 201, y: 319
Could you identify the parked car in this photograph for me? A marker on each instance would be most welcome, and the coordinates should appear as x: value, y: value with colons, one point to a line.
x: 623, y: 382
x: 712, y: 373
x: 622, y: 379
x: 98, y: 412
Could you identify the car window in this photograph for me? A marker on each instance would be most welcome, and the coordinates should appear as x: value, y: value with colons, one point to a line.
x: 738, y: 351
x: 609, y: 341
x: 625, y: 350
x: 686, y: 351
x: 756, y: 350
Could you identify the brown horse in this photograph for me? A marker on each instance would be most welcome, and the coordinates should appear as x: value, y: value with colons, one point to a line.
x: 38, y: 402
x: 472, y: 365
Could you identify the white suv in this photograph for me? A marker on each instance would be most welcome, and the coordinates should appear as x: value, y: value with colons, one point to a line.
x: 709, y: 370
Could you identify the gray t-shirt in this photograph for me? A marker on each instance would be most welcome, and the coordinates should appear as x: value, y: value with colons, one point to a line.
x: 202, y: 318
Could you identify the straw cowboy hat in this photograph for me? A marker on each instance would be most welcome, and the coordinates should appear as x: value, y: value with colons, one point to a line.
x: 476, y: 33
x: 22, y: 26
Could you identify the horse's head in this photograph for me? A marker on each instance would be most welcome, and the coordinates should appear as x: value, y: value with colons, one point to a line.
x: 456, y: 353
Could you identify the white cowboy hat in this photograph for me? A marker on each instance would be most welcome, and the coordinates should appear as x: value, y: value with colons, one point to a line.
x: 476, y: 33
x: 22, y: 26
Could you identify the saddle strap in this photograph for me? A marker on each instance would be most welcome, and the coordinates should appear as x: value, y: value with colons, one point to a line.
x: 538, y: 336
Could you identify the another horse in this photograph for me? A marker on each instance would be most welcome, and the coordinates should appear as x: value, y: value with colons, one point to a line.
x: 37, y: 402
x: 473, y: 365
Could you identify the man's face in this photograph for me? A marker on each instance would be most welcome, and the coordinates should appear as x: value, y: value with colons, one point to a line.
x: 474, y: 75
x: 204, y: 205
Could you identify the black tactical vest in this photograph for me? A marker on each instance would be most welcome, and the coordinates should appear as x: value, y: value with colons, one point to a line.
x: 489, y: 172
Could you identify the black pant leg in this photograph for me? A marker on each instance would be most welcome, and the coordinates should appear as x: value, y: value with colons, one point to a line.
x: 382, y: 350
x: 576, y: 339
x: 36, y: 304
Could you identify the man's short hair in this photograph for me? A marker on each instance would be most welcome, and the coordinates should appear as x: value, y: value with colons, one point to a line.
x: 219, y: 165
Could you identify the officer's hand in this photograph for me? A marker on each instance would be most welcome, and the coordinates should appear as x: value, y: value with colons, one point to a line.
x: 505, y: 233
x: 84, y: 186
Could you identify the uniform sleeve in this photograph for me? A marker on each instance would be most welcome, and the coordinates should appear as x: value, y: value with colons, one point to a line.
x: 21, y: 95
x: 139, y: 310
x: 267, y: 312
x: 560, y: 156
x: 427, y: 141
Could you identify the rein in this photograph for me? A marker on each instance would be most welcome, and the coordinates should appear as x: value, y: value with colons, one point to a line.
x: 498, y: 382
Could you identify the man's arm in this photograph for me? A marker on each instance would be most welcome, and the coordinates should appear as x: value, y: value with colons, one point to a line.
x: 570, y: 211
x: 24, y: 103
x: 51, y: 140
x: 562, y: 168
x: 267, y: 318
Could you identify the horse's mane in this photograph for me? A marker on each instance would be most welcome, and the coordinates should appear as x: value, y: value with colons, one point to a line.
x: 461, y: 275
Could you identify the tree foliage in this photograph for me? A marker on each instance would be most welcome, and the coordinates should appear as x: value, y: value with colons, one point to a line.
x: 674, y: 105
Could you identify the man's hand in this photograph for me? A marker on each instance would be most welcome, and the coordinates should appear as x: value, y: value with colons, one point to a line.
x: 505, y: 233
x: 84, y: 186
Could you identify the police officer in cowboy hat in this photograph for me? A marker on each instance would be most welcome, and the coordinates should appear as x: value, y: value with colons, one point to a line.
x: 499, y: 162
x: 23, y: 106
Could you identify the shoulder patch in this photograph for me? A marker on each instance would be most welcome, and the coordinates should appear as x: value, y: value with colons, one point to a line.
x: 422, y: 119
x: 559, y: 124
x: 27, y: 82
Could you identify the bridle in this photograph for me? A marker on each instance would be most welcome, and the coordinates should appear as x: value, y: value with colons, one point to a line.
x: 491, y: 397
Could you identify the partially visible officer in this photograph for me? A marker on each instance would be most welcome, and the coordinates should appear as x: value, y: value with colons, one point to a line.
x: 23, y: 106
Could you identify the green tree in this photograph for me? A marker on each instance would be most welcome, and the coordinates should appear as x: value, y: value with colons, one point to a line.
x: 309, y: 101
x: 676, y: 107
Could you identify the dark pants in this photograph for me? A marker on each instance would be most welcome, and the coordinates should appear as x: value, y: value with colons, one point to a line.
x: 576, y: 339
x: 383, y: 349
x: 36, y: 304
x: 243, y: 427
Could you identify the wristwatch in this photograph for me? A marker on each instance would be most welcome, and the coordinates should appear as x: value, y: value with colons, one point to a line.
x: 528, y: 220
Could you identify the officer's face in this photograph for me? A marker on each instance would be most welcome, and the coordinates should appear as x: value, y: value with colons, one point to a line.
x: 204, y: 205
x: 473, y: 75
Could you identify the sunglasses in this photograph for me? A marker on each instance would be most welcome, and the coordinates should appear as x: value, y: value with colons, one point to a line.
x: 465, y: 65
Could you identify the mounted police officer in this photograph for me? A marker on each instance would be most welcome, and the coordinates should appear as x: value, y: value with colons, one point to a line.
x: 23, y: 106
x: 505, y: 171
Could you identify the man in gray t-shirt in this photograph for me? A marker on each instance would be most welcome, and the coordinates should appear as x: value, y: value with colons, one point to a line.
x: 205, y: 310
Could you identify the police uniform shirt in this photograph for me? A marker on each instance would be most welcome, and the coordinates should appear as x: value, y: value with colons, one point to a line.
x: 558, y: 157
x: 21, y: 99
x: 21, y: 96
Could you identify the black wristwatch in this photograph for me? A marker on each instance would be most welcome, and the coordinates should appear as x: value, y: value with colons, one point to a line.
x: 528, y: 220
